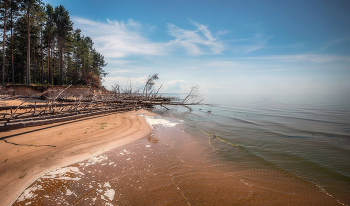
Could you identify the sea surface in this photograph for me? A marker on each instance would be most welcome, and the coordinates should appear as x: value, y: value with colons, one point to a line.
x: 235, y: 150
x: 306, y: 137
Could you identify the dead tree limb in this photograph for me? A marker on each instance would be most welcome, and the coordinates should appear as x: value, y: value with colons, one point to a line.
x: 59, y: 95
x: 28, y: 100
x: 193, y: 95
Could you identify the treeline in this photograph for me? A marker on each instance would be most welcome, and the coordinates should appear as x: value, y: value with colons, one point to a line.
x: 40, y: 46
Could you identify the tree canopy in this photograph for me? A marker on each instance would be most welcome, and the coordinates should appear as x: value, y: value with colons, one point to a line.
x: 40, y: 46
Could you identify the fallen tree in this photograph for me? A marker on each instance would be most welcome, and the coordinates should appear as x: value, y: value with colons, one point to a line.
x: 61, y: 107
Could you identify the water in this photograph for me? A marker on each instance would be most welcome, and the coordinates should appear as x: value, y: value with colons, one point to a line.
x: 240, y: 150
x: 305, y: 137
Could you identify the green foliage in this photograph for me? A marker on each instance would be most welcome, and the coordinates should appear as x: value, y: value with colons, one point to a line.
x: 57, y: 53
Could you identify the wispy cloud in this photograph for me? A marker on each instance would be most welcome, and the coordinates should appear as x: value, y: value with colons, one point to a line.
x: 246, y: 45
x: 117, y: 39
x: 196, y: 42
x: 221, y: 64
x: 173, y: 85
x: 124, y: 82
x: 175, y: 81
x: 333, y: 43
x: 223, y: 32
x: 317, y: 58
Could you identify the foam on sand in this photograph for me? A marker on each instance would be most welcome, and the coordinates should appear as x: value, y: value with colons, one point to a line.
x: 153, y: 121
x: 63, y: 174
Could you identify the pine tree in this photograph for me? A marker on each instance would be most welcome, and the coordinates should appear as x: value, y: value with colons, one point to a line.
x: 30, y: 6
x: 49, y: 32
x: 43, y: 45
x: 5, y: 4
x: 64, y: 26
x: 13, y: 14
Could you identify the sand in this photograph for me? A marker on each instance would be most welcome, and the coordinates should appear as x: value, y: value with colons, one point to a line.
x: 28, y: 153
x: 169, y: 167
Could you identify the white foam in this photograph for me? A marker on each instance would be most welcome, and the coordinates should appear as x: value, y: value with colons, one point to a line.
x: 110, y: 194
x: 60, y: 172
x: 28, y: 193
x: 68, y: 192
x: 97, y: 159
x: 152, y: 121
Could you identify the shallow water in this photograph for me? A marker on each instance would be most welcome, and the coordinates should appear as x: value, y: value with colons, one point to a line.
x: 245, y: 151
x: 306, y: 137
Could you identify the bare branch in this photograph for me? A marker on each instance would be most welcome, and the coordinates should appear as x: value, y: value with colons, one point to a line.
x: 193, y: 95
x: 59, y: 94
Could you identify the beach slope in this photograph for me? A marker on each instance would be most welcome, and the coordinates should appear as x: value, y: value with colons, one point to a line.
x: 28, y: 153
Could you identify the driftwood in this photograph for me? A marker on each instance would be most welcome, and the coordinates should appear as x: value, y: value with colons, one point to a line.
x: 15, y: 117
x: 89, y: 103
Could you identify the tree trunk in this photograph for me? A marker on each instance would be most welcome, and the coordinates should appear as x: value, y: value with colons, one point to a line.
x: 34, y: 65
x: 48, y: 62
x: 13, y: 69
x: 60, y: 62
x: 28, y: 48
x: 69, y: 71
x: 83, y: 67
x: 8, y: 74
x: 54, y: 81
x: 3, y: 46
x: 52, y: 63
x: 42, y: 60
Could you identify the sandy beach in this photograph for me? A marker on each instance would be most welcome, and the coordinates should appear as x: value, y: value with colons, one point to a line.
x: 28, y: 153
x: 118, y: 159
x: 168, y: 167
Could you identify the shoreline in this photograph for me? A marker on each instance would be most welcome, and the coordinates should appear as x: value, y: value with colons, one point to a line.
x: 26, y: 154
x: 170, y: 167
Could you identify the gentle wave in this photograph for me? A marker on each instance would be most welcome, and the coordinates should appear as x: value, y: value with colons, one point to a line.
x: 308, y: 141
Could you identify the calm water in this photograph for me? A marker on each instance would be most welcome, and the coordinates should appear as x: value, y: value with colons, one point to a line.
x: 240, y: 150
x: 306, y: 137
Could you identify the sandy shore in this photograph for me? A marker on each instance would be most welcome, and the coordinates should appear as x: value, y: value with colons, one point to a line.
x: 28, y: 153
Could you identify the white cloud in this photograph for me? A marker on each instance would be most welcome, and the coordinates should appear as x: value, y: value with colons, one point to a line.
x: 204, y: 30
x: 317, y: 58
x: 124, y: 82
x: 246, y: 45
x: 221, y: 32
x: 134, y: 23
x: 118, y: 61
x: 196, y: 42
x: 172, y: 86
x: 118, y: 39
x: 221, y: 64
x: 119, y: 71
x: 175, y: 81
x: 333, y: 43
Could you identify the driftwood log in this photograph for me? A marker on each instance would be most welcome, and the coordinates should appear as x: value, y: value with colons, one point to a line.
x: 61, y: 108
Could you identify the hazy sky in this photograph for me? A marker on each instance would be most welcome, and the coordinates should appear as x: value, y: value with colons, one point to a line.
x: 249, y: 47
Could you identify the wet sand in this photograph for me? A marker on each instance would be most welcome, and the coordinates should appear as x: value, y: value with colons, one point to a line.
x: 169, y: 167
x: 28, y: 153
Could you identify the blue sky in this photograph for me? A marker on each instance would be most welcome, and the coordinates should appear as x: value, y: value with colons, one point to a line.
x: 237, y: 47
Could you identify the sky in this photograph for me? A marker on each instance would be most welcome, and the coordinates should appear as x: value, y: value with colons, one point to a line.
x: 224, y: 46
